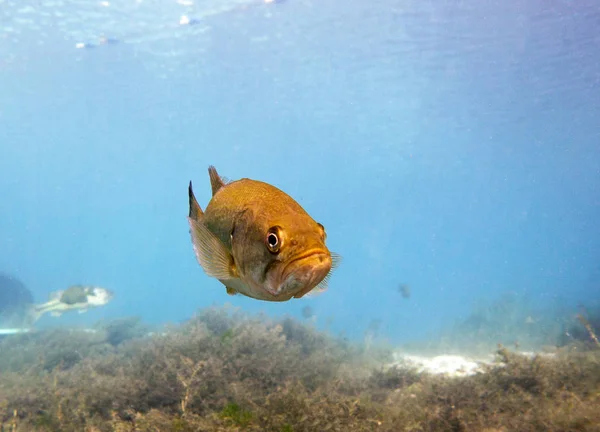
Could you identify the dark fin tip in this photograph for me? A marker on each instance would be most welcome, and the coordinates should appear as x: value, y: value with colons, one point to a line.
x: 193, y: 204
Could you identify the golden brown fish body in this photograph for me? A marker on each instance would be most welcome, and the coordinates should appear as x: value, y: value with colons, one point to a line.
x: 258, y: 241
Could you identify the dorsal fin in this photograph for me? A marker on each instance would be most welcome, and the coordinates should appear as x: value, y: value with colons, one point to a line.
x: 216, y: 182
x: 195, y: 209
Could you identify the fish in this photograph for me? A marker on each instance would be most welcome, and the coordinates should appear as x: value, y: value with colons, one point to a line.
x: 404, y: 290
x: 258, y: 241
x: 76, y: 297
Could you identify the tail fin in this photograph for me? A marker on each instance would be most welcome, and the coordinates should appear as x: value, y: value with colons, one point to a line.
x: 32, y: 315
x: 37, y: 310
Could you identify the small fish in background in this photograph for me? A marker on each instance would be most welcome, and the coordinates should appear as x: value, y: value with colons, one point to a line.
x: 404, y: 291
x: 259, y: 242
x: 77, y: 297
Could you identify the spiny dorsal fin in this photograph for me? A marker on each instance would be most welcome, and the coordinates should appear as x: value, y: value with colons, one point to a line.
x: 195, y: 209
x: 216, y: 181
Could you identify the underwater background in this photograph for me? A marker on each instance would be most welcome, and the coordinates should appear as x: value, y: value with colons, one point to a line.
x: 451, y: 149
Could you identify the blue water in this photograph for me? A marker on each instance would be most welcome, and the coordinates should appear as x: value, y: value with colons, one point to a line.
x: 451, y: 146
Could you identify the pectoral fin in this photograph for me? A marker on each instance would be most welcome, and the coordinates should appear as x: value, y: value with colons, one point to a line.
x: 318, y: 290
x: 322, y: 286
x: 211, y: 253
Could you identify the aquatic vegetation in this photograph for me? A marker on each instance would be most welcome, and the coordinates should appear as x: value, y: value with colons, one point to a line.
x: 236, y: 414
x: 510, y: 320
x: 123, y: 329
x: 590, y: 328
x: 584, y: 327
x: 228, y: 371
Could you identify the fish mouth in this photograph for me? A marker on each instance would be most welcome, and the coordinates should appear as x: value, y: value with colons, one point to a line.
x: 303, y: 272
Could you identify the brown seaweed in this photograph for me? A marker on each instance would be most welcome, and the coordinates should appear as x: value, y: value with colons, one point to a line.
x: 234, y: 372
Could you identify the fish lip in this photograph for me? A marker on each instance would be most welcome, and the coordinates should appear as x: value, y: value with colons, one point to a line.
x: 305, y: 255
x: 285, y: 272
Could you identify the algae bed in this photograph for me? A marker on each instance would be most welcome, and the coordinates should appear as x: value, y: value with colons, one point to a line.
x: 225, y: 371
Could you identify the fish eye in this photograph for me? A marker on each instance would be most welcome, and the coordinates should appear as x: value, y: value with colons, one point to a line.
x: 273, y: 240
